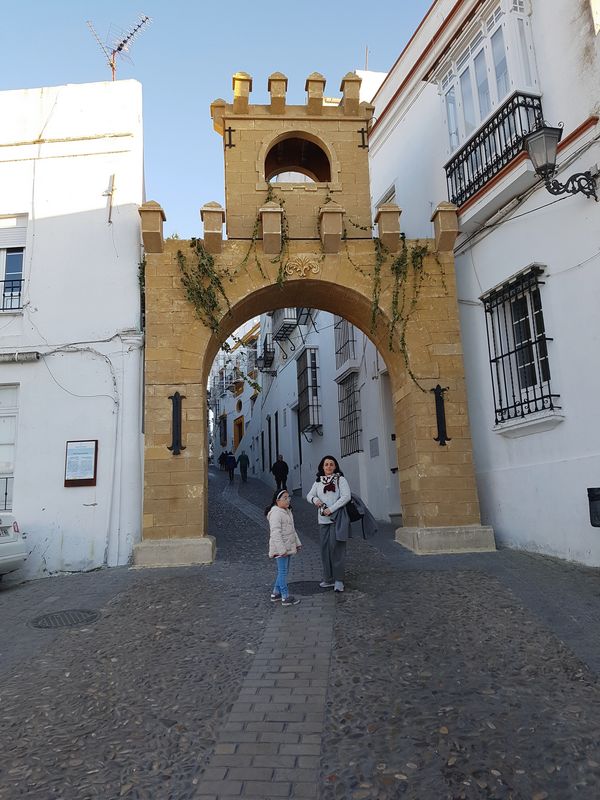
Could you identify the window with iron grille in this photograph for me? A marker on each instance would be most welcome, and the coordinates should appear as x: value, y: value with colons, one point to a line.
x: 309, y: 399
x: 344, y: 341
x: 11, y: 270
x: 350, y: 417
x: 518, y: 347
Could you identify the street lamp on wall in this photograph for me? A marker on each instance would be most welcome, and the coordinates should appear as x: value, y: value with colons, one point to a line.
x: 541, y: 147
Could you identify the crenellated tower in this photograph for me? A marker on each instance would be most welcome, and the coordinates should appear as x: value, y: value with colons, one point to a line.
x: 324, y: 140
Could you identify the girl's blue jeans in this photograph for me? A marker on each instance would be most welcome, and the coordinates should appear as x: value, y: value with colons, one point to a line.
x: 283, y: 568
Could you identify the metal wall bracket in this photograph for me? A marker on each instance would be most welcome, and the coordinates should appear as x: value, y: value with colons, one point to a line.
x: 363, y: 134
x: 440, y: 413
x: 176, y: 447
x: 229, y: 131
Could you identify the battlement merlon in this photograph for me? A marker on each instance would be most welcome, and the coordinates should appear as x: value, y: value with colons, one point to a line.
x: 316, y: 105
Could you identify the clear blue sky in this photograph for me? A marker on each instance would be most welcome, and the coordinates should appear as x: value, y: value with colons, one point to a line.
x: 185, y: 59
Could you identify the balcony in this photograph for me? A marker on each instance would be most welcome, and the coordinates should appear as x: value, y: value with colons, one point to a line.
x: 493, y: 146
x: 217, y: 386
x: 265, y: 359
x: 303, y: 316
x: 284, y: 322
x: 11, y: 294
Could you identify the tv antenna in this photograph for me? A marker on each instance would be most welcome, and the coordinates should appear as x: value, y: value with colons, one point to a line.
x: 119, y: 45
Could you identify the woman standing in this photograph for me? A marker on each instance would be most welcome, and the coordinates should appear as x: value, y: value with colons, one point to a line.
x: 329, y: 492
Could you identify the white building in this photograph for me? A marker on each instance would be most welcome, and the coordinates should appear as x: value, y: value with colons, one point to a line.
x: 71, y: 182
x: 233, y: 391
x: 450, y: 124
x: 324, y: 390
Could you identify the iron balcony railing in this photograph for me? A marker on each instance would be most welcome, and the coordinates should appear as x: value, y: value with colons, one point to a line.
x: 11, y: 294
x: 267, y: 355
x: 493, y: 146
x: 284, y: 322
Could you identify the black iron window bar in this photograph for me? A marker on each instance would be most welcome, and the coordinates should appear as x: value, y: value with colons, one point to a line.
x: 518, y: 348
x: 350, y: 416
x: 493, y: 146
x: 344, y: 341
x: 11, y: 293
x: 6, y: 493
x: 309, y: 401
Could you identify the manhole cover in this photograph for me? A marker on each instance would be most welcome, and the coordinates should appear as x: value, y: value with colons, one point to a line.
x: 65, y: 619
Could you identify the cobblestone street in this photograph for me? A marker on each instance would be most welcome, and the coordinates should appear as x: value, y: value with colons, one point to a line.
x: 430, y: 678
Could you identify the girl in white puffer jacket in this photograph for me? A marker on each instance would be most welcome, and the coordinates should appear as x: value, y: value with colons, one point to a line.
x: 283, y: 544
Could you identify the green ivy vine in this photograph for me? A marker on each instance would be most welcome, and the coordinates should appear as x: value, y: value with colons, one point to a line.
x: 203, y: 282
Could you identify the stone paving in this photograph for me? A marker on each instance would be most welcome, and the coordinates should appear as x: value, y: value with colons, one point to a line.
x: 437, y: 677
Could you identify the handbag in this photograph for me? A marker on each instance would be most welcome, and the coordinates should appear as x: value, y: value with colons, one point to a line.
x: 353, y: 512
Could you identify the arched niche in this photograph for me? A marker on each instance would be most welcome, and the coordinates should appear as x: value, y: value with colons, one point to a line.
x: 298, y: 151
x: 298, y: 154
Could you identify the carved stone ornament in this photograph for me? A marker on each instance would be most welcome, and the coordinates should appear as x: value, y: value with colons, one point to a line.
x: 302, y: 265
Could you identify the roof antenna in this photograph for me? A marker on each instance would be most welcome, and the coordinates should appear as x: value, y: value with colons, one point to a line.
x: 119, y: 45
x: 367, y: 58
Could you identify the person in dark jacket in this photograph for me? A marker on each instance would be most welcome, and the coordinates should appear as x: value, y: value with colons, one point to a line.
x: 280, y: 470
x: 230, y: 463
x: 243, y: 462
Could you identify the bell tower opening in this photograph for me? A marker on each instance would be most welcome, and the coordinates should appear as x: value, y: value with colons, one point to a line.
x: 300, y: 155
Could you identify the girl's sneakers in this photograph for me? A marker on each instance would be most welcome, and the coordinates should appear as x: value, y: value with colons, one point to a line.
x: 326, y: 584
x: 275, y: 597
x: 290, y: 601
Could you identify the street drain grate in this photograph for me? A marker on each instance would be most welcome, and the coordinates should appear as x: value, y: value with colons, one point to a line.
x: 65, y: 619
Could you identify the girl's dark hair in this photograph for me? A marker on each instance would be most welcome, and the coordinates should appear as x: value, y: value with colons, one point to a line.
x: 320, y: 471
x: 274, y: 500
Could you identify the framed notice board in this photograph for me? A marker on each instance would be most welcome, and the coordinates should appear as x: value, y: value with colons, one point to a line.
x: 81, y: 462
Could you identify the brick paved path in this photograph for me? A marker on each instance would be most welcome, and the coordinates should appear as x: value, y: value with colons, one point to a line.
x: 442, y: 677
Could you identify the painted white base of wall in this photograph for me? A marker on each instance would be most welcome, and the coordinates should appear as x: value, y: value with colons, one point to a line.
x: 543, y: 508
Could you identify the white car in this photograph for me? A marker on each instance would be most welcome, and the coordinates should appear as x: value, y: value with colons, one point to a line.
x: 13, y: 550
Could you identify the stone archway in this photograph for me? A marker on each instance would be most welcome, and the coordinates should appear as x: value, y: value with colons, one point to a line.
x: 328, y: 269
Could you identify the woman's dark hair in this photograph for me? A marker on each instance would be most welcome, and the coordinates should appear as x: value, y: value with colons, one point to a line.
x: 276, y: 495
x: 320, y: 471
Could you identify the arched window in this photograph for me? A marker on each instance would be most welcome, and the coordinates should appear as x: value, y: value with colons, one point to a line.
x: 298, y: 155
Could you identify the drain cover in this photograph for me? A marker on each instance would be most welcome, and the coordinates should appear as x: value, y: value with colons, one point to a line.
x: 65, y: 619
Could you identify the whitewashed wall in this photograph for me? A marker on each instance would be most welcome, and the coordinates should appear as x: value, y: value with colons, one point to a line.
x: 533, y: 487
x: 64, y: 148
x: 370, y: 476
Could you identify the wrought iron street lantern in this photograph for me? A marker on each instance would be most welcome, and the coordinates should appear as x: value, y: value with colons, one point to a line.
x: 541, y: 147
